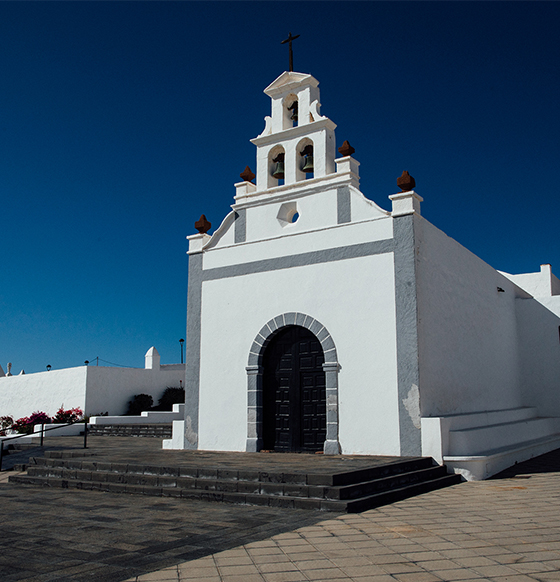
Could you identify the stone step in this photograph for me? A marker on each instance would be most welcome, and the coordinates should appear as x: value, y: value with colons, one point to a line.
x: 331, y: 492
x: 244, y: 498
x: 140, y: 430
x: 391, y: 482
x: 75, y: 460
x: 334, y: 493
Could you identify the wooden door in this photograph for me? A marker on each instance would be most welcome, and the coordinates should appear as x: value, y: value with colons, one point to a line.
x: 294, y: 399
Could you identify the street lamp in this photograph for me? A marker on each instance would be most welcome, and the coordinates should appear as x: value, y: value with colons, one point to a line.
x: 181, y: 341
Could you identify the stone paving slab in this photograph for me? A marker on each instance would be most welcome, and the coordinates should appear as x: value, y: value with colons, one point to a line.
x: 503, y: 530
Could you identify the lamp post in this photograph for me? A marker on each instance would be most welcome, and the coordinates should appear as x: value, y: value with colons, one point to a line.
x: 181, y: 341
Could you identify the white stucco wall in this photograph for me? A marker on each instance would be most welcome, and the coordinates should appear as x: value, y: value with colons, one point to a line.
x: 353, y: 299
x: 468, y: 334
x: 539, y: 350
x: 541, y: 284
x: 44, y: 391
x: 94, y: 389
x: 110, y: 389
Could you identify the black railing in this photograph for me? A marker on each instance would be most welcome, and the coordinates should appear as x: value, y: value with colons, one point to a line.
x: 43, y: 431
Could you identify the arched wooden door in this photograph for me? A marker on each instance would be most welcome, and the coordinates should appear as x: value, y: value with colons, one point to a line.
x: 294, y: 395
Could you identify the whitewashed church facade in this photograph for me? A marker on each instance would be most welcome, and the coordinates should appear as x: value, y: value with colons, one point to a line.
x: 318, y: 321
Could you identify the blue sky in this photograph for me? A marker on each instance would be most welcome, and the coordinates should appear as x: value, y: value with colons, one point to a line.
x: 122, y: 122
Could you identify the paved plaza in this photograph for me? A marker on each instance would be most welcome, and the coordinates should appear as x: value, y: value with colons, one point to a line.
x: 505, y: 529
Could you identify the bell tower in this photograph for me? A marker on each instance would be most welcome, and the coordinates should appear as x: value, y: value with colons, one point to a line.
x: 297, y: 141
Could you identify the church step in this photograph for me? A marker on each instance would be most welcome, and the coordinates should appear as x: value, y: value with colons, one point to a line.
x: 245, y: 498
x: 394, y: 495
x: 392, y: 482
x: 312, y: 491
x: 76, y: 461
x: 140, y: 430
x: 234, y: 485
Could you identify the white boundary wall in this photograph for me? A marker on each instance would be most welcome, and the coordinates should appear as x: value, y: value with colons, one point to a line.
x: 44, y: 391
x: 94, y: 389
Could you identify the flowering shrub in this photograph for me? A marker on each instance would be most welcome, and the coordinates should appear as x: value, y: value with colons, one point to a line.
x: 5, y: 422
x: 25, y: 424
x: 70, y: 415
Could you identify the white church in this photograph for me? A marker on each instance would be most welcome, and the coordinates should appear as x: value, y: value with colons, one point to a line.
x: 320, y: 322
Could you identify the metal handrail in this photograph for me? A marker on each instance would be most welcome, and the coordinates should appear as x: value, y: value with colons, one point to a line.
x: 43, y: 431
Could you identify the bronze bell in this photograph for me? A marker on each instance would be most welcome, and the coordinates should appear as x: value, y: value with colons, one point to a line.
x: 307, y: 164
x: 294, y: 109
x: 279, y: 170
x: 307, y: 154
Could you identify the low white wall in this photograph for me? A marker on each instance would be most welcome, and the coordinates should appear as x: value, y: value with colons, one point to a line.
x: 146, y: 417
x: 44, y: 391
x: 55, y: 429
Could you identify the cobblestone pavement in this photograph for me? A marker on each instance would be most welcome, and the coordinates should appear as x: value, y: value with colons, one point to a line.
x: 505, y: 529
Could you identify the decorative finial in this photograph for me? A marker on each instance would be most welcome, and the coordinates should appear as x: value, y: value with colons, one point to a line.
x: 202, y: 224
x: 246, y: 175
x: 346, y: 149
x: 289, y: 40
x: 406, y: 182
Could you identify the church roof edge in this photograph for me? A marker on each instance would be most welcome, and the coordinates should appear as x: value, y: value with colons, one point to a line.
x: 290, y: 80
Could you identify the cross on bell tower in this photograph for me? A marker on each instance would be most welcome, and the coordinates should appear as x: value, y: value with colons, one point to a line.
x: 289, y: 41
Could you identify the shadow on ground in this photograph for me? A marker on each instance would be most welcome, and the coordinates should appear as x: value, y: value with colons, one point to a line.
x: 63, y: 535
x: 547, y: 463
x: 53, y: 534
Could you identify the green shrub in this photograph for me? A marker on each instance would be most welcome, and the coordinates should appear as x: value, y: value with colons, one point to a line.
x: 170, y: 397
x: 138, y: 404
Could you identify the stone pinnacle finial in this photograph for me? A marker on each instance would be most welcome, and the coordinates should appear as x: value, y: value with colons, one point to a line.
x: 246, y: 175
x: 406, y: 182
x: 202, y: 224
x: 346, y: 149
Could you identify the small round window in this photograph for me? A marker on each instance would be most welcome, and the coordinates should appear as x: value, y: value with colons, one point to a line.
x: 295, y: 217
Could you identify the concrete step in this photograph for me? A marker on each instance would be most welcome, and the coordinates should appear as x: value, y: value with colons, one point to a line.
x: 330, y: 492
x: 139, y: 430
x: 489, y: 417
x: 473, y: 441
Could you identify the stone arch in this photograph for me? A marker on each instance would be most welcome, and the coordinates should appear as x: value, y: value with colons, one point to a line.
x: 288, y: 113
x: 272, y: 154
x: 302, y: 144
x: 255, y: 378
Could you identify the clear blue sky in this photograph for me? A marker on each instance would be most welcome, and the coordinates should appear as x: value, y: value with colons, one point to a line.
x: 122, y: 122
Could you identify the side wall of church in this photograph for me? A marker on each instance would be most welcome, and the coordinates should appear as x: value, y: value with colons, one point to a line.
x: 347, y: 288
x: 539, y: 337
x: 468, y: 331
